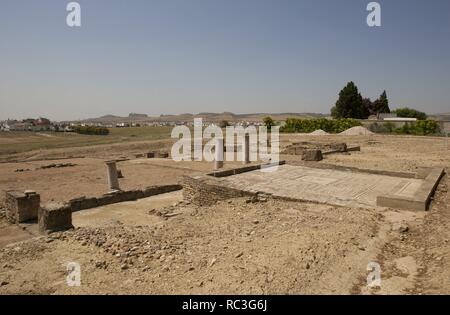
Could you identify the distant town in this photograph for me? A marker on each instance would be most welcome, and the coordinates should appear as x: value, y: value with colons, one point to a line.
x: 141, y: 120
x: 43, y: 124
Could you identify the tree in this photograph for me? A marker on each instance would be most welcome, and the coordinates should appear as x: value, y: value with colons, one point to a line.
x: 268, y: 122
x: 381, y: 105
x: 410, y: 113
x: 369, y: 106
x: 350, y: 104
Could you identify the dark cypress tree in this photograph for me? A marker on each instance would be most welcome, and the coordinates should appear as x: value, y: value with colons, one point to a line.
x: 369, y: 106
x: 350, y: 104
x: 382, y: 104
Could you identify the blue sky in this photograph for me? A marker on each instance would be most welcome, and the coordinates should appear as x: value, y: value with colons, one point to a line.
x: 177, y: 56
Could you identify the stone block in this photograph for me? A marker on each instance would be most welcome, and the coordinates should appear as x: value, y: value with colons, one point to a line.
x: 110, y: 198
x: 75, y: 204
x: 156, y: 190
x: 340, y: 147
x: 130, y: 195
x: 54, y: 217
x: 161, y: 155
x: 104, y: 200
x: 356, y: 148
x: 398, y: 202
x: 21, y: 207
x: 312, y: 155
x: 83, y: 203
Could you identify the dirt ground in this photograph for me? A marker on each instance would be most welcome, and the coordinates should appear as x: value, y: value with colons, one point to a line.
x: 163, y: 245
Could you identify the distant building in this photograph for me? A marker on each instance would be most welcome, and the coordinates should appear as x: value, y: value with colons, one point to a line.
x: 18, y: 126
x: 390, y: 117
x: 384, y: 116
x: 400, y: 119
x: 30, y: 124
x: 4, y: 126
x: 41, y: 124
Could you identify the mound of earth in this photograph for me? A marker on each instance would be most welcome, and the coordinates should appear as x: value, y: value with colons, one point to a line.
x: 319, y: 132
x: 357, y: 131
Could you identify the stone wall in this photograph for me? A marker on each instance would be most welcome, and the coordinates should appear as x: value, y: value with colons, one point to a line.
x: 54, y: 217
x: 205, y: 190
x: 83, y: 203
x: 243, y: 169
x: 21, y: 207
x: 422, y: 197
x: 312, y: 155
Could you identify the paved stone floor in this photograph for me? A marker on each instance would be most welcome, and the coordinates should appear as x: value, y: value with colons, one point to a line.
x: 344, y: 188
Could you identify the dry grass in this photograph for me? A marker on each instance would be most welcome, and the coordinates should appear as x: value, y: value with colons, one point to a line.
x: 17, y: 142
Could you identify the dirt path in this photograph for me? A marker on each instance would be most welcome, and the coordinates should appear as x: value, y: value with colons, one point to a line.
x: 415, y: 259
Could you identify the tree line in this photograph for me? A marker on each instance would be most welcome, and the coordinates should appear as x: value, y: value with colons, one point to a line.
x: 91, y: 130
x: 351, y: 104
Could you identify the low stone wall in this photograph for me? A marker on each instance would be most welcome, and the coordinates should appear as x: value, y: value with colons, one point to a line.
x: 54, y: 217
x: 422, y: 198
x: 355, y: 148
x: 312, y: 155
x: 205, y: 190
x: 161, y: 155
x: 299, y: 148
x: 354, y: 169
x: 21, y: 206
x: 243, y: 169
x: 153, y: 154
x: 83, y: 203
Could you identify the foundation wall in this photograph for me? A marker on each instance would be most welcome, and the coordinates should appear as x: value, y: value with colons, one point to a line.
x: 422, y: 198
x: 203, y: 191
x: 21, y: 207
x: 54, y: 217
x: 83, y: 203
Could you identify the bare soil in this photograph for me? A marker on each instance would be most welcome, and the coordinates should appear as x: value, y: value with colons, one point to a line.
x: 164, y: 245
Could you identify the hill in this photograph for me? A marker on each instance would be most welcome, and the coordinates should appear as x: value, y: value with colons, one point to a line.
x: 207, y: 116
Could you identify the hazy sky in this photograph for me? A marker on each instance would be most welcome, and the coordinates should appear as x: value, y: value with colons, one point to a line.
x: 177, y: 56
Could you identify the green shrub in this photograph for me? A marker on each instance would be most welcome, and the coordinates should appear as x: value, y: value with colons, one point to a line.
x: 410, y: 113
x: 389, y: 127
x: 386, y: 127
x: 426, y: 127
x: 91, y: 130
x: 310, y: 125
x: 421, y: 127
